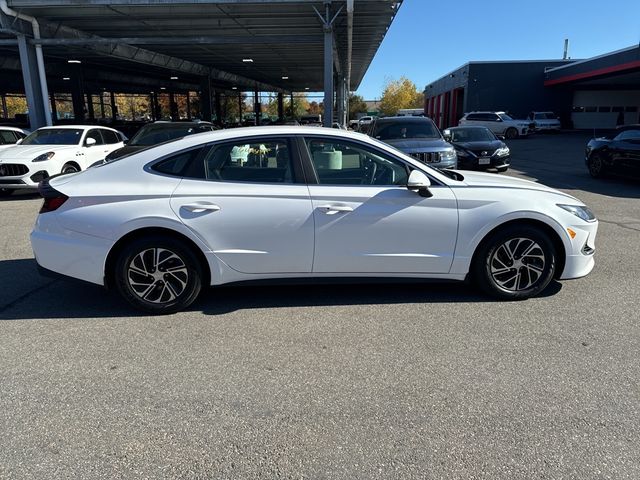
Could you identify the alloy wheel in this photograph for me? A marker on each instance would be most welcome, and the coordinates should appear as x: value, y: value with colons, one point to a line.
x: 517, y: 264
x: 157, y: 275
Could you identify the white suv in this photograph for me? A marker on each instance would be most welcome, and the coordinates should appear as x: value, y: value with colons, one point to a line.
x: 499, y: 123
x: 545, y: 121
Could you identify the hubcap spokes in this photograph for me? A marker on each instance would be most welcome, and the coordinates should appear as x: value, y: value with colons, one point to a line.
x: 517, y: 264
x: 157, y: 275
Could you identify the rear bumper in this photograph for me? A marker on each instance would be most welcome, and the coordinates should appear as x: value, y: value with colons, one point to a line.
x: 70, y: 254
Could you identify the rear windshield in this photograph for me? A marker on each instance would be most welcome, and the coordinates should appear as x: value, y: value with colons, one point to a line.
x: 54, y: 136
x: 158, y: 133
x: 389, y: 131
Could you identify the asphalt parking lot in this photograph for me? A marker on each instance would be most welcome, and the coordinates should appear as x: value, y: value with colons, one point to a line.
x: 334, y: 381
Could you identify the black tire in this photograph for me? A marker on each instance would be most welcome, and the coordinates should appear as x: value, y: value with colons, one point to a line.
x: 155, y: 292
x: 501, y: 270
x: 69, y: 168
x: 511, y: 133
x: 5, y: 192
x: 595, y: 164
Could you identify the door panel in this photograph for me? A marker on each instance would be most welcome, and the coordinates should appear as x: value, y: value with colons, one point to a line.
x: 383, y: 229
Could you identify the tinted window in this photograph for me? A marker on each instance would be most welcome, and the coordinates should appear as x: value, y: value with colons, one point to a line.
x: 263, y: 161
x: 339, y: 162
x: 155, y: 133
x: 183, y: 164
x: 400, y: 129
x: 54, y: 136
x: 473, y: 116
x: 7, y: 137
x: 629, y: 135
x: 95, y: 134
x: 110, y: 137
x: 472, y: 135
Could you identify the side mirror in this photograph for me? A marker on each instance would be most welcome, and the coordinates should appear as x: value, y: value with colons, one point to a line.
x: 418, y: 182
x: 89, y: 142
x: 447, y: 135
x: 501, y: 137
x: 19, y: 141
x: 124, y: 142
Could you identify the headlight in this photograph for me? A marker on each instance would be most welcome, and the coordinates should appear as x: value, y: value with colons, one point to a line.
x: 579, y: 211
x: 461, y: 153
x: 448, y: 155
x: 502, y: 151
x: 44, y: 157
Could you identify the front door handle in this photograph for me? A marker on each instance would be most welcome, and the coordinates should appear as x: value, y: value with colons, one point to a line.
x: 201, y: 207
x: 333, y: 209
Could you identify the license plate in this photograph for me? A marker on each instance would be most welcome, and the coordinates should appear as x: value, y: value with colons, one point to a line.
x: 484, y: 161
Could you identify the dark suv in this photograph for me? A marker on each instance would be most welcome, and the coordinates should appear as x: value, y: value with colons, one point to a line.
x: 159, y: 132
x: 417, y: 137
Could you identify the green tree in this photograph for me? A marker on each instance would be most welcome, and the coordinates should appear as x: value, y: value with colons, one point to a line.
x: 401, y: 93
x: 356, y: 105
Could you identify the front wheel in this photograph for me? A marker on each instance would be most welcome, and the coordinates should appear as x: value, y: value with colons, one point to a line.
x: 69, y: 168
x: 515, y: 263
x: 158, y: 275
x: 595, y: 164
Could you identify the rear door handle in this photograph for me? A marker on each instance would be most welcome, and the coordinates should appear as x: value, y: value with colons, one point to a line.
x: 333, y: 209
x: 201, y: 207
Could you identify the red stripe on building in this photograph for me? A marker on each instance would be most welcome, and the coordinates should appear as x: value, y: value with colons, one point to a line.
x: 594, y: 73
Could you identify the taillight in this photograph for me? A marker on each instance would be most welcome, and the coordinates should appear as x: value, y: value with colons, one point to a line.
x: 53, y: 199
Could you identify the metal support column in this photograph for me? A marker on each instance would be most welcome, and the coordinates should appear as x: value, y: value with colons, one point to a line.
x: 240, y: 106
x: 5, y: 111
x: 54, y: 107
x: 173, y: 108
x: 340, y: 101
x: 218, y: 107
x: 292, y: 110
x: 77, y: 95
x: 102, y: 105
x: 327, y: 27
x: 114, y: 108
x: 31, y: 78
x: 188, y: 106
x: 280, y: 106
x: 256, y: 106
x: 205, y: 99
x: 90, y: 107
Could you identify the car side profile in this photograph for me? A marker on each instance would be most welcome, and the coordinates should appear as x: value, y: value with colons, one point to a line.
x: 618, y: 152
x: 299, y: 202
x: 50, y: 151
x: 544, y: 121
x: 499, y: 123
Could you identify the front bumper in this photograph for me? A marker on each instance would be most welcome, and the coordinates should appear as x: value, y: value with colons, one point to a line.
x: 579, y: 259
x: 473, y: 163
x: 20, y: 175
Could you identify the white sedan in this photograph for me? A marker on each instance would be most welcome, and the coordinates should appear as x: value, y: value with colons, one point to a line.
x: 162, y: 224
x: 52, y: 150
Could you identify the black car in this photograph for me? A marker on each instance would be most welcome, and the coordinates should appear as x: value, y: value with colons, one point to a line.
x: 478, y: 148
x: 159, y: 132
x: 618, y: 152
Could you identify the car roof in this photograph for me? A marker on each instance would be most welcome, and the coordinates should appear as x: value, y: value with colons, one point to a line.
x: 76, y: 127
x: 13, y: 129
x: 467, y: 127
x: 404, y: 118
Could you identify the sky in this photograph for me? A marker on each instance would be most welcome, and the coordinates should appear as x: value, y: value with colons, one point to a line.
x: 429, y: 38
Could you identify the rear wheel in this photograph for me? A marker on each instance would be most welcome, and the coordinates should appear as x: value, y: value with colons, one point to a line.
x: 158, y: 275
x: 5, y: 192
x: 595, y: 164
x: 515, y: 263
x: 511, y: 133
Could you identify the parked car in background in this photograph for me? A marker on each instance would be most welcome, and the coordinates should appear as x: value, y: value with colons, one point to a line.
x: 10, y: 136
x: 310, y: 203
x: 477, y: 148
x: 159, y: 132
x: 417, y: 137
x: 544, y: 121
x: 618, y: 152
x: 364, y: 123
x: 499, y: 123
x: 52, y: 150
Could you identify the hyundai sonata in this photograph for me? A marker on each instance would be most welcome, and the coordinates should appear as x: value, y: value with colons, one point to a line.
x: 293, y: 202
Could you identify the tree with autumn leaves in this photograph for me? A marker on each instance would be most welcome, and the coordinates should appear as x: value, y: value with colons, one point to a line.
x: 401, y: 93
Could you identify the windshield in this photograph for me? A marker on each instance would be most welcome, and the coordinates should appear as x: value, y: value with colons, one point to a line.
x: 505, y: 117
x: 395, y: 130
x: 472, y: 135
x: 54, y: 136
x: 158, y: 133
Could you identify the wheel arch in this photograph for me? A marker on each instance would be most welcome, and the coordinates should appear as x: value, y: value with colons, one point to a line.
x: 71, y: 162
x: 558, y: 244
x: 112, y: 256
